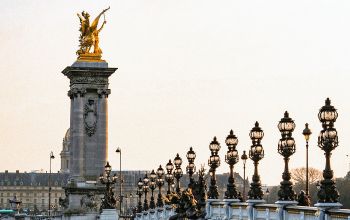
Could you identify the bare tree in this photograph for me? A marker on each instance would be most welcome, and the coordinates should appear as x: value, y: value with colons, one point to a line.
x: 299, y: 175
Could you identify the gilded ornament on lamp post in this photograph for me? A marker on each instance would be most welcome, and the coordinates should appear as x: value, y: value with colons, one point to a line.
x: 328, y: 141
x: 286, y: 147
x: 256, y: 153
x: 89, y: 37
x: 169, y: 177
x: 108, y: 201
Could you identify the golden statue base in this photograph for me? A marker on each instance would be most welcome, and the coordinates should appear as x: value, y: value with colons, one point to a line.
x: 90, y: 57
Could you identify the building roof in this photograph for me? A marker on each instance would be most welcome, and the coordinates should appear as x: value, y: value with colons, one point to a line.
x: 33, y: 179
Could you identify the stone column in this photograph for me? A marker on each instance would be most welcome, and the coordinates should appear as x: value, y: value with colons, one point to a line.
x: 88, y: 118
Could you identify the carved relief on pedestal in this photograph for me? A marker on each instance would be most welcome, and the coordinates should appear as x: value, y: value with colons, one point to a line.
x: 89, y: 78
x: 90, y: 117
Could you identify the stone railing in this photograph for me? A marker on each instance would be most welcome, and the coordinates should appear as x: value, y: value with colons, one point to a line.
x: 158, y: 213
x: 255, y: 210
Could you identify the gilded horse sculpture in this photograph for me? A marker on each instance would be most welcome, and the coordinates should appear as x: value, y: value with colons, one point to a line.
x: 89, y: 36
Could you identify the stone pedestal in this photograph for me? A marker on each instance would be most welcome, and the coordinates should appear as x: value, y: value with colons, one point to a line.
x: 228, y: 203
x: 251, y: 209
x: 109, y: 214
x: 323, y: 207
x: 88, y: 118
x: 282, y: 205
x: 84, y: 196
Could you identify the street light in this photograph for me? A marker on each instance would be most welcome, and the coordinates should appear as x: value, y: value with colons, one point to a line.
x: 51, y: 157
x: 139, y: 193
x: 160, y: 183
x: 307, y: 132
x: 177, y: 172
x: 213, y: 162
x: 169, y: 177
x: 286, y: 147
x: 191, y: 168
x: 231, y: 158
x: 152, y: 186
x: 108, y: 201
x: 256, y: 153
x: 328, y: 141
x: 119, y: 151
x: 244, y: 158
x: 267, y: 193
x: 145, y: 190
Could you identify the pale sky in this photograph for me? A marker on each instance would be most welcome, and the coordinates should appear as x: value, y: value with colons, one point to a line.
x: 188, y: 71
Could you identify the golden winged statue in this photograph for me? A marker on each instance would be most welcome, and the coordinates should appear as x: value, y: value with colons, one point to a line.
x: 89, y: 37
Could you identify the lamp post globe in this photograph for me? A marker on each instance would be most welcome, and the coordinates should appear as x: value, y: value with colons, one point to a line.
x: 213, y: 162
x: 231, y: 158
x: 160, y: 183
x: 328, y: 141
x: 286, y: 147
x: 108, y: 201
x: 256, y: 153
x: 191, y: 167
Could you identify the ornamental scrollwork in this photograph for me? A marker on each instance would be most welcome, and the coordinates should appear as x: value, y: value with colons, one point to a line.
x: 103, y: 92
x: 90, y: 117
x: 74, y: 92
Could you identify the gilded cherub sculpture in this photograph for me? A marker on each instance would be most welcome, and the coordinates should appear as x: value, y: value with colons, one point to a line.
x: 89, y: 37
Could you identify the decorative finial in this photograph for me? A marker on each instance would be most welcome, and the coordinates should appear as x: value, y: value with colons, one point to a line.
x: 328, y: 101
x: 286, y: 114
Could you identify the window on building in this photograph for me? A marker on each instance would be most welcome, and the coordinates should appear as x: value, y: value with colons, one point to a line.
x: 21, y: 194
x: 34, y: 194
x: 43, y: 201
x: 1, y: 200
x: 67, y: 164
x: 34, y: 201
x: 8, y: 194
x: 42, y: 194
x: 55, y: 194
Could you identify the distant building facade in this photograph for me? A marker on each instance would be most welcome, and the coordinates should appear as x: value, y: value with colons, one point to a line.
x: 32, y: 189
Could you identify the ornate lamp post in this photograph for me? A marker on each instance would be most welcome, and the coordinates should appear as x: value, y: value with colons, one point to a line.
x: 328, y: 141
x: 213, y: 162
x: 51, y: 157
x: 190, y: 168
x: 177, y: 172
x: 286, y: 147
x: 119, y: 151
x: 152, y: 186
x: 145, y: 190
x: 108, y: 201
x: 139, y: 193
x: 256, y: 153
x: 160, y: 183
x: 169, y: 177
x: 307, y: 132
x: 231, y: 158
x: 244, y: 158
